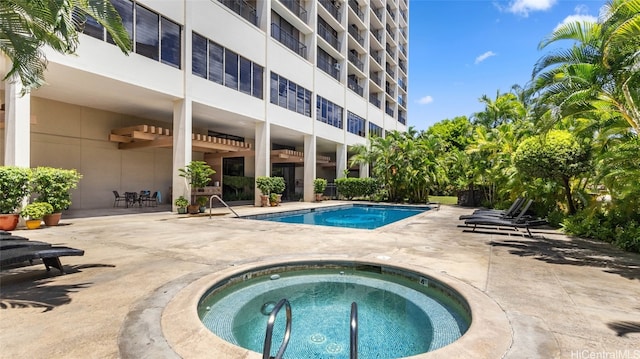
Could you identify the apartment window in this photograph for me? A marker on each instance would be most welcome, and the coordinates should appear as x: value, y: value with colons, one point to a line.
x: 290, y: 95
x: 328, y: 112
x: 230, y: 69
x: 225, y: 67
x: 216, y: 61
x: 245, y: 76
x: 125, y: 10
x: 155, y: 37
x: 355, y: 124
x: 328, y: 64
x: 170, y: 42
x: 256, y: 86
x: 199, y: 55
x: 147, y: 33
x: 287, y: 34
x: 374, y: 130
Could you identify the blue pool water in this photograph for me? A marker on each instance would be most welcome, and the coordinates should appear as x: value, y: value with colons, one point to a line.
x: 350, y: 216
x: 397, y: 317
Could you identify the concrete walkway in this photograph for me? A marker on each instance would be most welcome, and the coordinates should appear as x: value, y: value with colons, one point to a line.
x: 563, y: 297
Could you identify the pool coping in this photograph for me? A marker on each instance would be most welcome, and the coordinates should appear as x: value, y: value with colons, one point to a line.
x: 489, y: 336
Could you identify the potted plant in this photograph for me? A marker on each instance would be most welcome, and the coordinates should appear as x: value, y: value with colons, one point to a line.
x: 273, y: 199
x: 264, y: 185
x: 319, y: 185
x: 198, y: 175
x: 34, y: 212
x: 14, y: 188
x: 277, y: 187
x: 202, y: 203
x: 53, y: 186
x: 182, y: 204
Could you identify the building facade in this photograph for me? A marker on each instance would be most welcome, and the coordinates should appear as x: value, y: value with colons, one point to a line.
x: 253, y: 87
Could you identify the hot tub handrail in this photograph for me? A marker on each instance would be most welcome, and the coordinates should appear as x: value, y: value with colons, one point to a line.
x: 221, y: 201
x: 269, y: 334
x: 354, y: 331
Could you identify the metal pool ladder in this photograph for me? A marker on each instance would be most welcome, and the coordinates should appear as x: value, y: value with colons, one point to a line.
x: 287, y: 333
x: 221, y: 201
x: 353, y: 324
x: 353, y: 338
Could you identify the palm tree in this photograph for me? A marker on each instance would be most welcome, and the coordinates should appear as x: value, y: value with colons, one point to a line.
x: 26, y: 26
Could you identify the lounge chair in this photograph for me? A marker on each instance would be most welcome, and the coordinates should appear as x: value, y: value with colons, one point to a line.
x: 19, y: 249
x: 518, y: 222
x: 511, y: 212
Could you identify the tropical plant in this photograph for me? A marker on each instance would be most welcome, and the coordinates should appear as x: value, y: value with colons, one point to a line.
x: 54, y: 185
x: 319, y: 185
x: 36, y: 210
x: 556, y: 156
x: 27, y: 26
x: 264, y: 185
x: 14, y: 188
x: 197, y: 173
x: 277, y: 185
x: 181, y: 202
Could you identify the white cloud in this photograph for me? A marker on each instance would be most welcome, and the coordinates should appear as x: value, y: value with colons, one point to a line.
x: 484, y: 56
x: 580, y: 18
x: 425, y: 100
x: 524, y: 7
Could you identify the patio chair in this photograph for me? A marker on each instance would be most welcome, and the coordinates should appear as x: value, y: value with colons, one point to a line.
x: 49, y: 255
x: 118, y: 199
x: 518, y: 222
x: 511, y: 212
x: 151, y: 200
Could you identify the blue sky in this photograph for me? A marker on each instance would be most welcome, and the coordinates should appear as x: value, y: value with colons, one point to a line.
x: 460, y: 50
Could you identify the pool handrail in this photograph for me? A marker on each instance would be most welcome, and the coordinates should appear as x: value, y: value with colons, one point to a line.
x: 221, y: 201
x: 353, y: 340
x: 269, y: 334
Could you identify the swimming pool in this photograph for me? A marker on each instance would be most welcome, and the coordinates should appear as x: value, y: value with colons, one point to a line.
x: 400, y: 313
x: 360, y: 216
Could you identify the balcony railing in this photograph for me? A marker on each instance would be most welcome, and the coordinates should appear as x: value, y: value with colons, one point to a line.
x: 390, y: 70
x: 402, y: 102
x: 288, y: 40
x: 390, y: 51
x: 332, y: 9
x: 353, y: 31
x: 377, y: 55
x: 243, y: 9
x: 328, y: 36
x: 390, y: 32
x: 296, y: 8
x: 389, y: 91
x: 356, y: 8
x: 403, y: 66
x: 375, y: 76
x: 378, y: 13
x: 389, y: 110
x: 353, y: 85
x: 403, y: 49
x: 402, y: 119
x: 403, y: 13
x: 390, y: 11
x: 377, y: 33
x: 373, y: 99
x: 331, y: 68
x: 354, y: 59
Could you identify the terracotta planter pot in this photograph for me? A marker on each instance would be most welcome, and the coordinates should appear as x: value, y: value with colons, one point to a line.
x: 264, y: 201
x: 9, y: 222
x: 33, y: 223
x: 319, y: 197
x: 52, y: 219
x: 193, y: 209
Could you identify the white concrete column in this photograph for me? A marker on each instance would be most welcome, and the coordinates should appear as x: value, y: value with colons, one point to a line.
x: 309, y: 167
x: 263, y: 154
x: 17, y: 125
x: 341, y: 159
x: 182, y: 153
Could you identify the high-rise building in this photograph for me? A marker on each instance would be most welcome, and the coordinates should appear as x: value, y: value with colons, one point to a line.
x: 253, y: 87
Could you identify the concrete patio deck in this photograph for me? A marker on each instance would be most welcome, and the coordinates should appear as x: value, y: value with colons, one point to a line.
x: 563, y: 297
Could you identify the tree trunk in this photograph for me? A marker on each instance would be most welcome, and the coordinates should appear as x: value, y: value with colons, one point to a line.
x: 567, y: 190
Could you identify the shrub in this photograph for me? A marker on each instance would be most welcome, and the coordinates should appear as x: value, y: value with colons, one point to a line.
x: 36, y: 210
x: 14, y: 187
x: 54, y: 185
x: 181, y: 202
x: 319, y: 185
x: 356, y: 187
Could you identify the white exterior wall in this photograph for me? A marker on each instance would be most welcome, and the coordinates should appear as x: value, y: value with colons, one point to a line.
x: 100, y: 89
